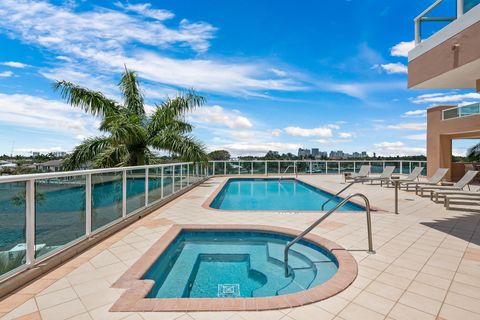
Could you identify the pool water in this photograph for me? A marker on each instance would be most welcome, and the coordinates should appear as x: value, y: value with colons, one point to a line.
x: 275, y: 194
x: 230, y: 264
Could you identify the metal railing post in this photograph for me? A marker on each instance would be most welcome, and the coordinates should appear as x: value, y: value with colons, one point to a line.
x: 30, y: 222
x: 173, y: 179
x: 278, y: 167
x: 401, y: 167
x: 311, y: 165
x: 161, y: 182
x: 266, y: 170
x: 326, y: 167
x: 124, y: 193
x: 225, y: 168
x: 146, y: 187
x: 251, y: 168
x: 460, y: 6
x: 88, y: 205
x: 338, y: 167
x: 214, y: 163
x: 188, y: 174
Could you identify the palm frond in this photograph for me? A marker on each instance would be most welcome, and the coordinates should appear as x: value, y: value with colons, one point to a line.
x: 187, y: 147
x: 113, y: 156
x: 125, y: 129
x: 165, y: 118
x: 86, y: 152
x: 90, y: 101
x: 473, y: 153
x: 184, y: 102
x: 131, y: 92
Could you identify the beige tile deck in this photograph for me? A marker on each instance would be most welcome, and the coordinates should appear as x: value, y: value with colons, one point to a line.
x: 427, y: 264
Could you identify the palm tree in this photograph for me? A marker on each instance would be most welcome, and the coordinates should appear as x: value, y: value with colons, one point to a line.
x: 130, y: 134
x: 473, y: 153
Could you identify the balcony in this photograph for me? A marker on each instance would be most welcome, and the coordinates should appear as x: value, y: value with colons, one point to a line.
x: 462, y: 111
x: 450, y: 57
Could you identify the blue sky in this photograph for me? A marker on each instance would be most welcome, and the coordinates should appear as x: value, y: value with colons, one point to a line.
x: 278, y: 75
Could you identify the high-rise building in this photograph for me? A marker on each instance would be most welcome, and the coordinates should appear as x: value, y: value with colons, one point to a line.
x: 315, y: 152
x: 303, y: 152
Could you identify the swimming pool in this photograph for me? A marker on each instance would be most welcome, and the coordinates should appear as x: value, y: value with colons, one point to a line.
x: 275, y: 194
x: 233, y: 267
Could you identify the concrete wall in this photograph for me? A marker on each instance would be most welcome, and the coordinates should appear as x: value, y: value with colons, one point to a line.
x: 439, y: 138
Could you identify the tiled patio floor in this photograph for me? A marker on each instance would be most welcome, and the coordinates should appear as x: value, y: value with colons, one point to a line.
x: 427, y: 264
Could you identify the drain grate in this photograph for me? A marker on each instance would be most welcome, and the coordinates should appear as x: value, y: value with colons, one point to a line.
x: 229, y: 290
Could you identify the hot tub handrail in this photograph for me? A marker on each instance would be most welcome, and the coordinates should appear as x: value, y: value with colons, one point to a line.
x: 336, y: 194
x: 285, y: 171
x: 326, y: 215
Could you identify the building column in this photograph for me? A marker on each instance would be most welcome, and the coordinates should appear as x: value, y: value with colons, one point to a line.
x: 477, y: 86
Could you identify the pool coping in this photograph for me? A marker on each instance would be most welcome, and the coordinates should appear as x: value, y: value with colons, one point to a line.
x: 134, y: 298
x: 206, y: 204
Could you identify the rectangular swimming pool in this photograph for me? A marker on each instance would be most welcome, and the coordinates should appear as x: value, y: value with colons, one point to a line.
x: 275, y: 194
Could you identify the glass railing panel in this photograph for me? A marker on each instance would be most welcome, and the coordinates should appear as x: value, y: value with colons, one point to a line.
x: 287, y: 167
x: 346, y: 167
x: 273, y: 167
x: 210, y: 168
x: 154, y: 184
x: 107, y: 197
x: 167, y: 180
x: 177, y: 183
x: 318, y: 167
x: 303, y: 167
x: 185, y: 175
x: 258, y: 167
x: 376, y: 167
x: 450, y: 113
x: 332, y: 167
x: 469, y: 4
x: 232, y: 167
x: 245, y: 167
x: 407, y: 167
x: 135, y: 189
x: 12, y: 226
x: 59, y: 212
x: 469, y: 110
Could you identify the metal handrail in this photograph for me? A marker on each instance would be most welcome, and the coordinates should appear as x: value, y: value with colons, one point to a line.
x: 421, y: 17
x: 336, y: 194
x: 294, y: 171
x: 326, y: 215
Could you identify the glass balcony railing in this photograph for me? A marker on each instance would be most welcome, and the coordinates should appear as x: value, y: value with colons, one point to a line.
x: 469, y: 4
x: 463, y: 111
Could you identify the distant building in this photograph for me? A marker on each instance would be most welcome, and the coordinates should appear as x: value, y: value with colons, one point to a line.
x: 52, y: 165
x: 35, y: 154
x: 315, y: 152
x: 303, y: 152
x: 59, y: 154
x: 364, y: 154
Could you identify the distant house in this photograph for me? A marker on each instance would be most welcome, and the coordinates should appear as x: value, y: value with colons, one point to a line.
x: 52, y: 165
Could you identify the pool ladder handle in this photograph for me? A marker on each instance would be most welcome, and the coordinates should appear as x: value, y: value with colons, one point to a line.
x: 336, y: 194
x: 326, y: 215
x: 294, y: 171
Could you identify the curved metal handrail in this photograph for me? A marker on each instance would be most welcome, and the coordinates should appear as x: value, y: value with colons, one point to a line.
x: 336, y: 194
x: 288, y: 167
x: 326, y: 215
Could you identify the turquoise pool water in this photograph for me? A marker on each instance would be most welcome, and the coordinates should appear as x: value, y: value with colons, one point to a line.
x: 217, y: 264
x: 275, y: 194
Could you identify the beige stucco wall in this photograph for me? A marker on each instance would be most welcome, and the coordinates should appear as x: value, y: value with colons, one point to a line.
x: 439, y: 138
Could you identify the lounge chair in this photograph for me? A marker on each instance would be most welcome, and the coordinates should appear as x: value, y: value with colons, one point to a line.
x: 385, y: 176
x: 447, y: 193
x: 362, y: 173
x: 466, y: 179
x: 434, y: 180
x: 466, y: 195
x: 411, y: 177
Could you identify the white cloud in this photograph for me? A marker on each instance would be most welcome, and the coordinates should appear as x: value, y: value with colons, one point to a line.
x: 417, y: 137
x: 332, y: 141
x: 14, y: 64
x: 146, y: 10
x: 361, y: 90
x: 415, y: 113
x: 397, y: 148
x: 278, y: 72
x: 391, y: 68
x: 401, y: 49
x: 6, y: 74
x: 41, y: 150
x: 345, y: 135
x: 42, y: 114
x: 409, y: 126
x: 220, y: 116
x: 333, y: 126
x: 276, y: 132
x: 445, y: 97
x: 314, y: 132
x: 106, y: 39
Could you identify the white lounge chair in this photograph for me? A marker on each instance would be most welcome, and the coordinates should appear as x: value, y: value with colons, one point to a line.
x: 362, y: 173
x: 385, y: 176
x: 466, y: 179
x: 473, y: 196
x: 411, y: 177
x: 434, y: 180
